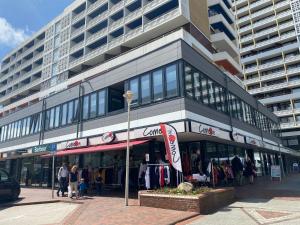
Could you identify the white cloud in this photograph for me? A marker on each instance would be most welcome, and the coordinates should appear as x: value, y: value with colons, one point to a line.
x: 10, y: 36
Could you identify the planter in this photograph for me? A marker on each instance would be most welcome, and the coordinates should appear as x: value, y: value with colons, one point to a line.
x: 203, y: 203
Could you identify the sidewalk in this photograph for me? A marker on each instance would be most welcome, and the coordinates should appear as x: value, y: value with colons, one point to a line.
x: 265, y: 202
x: 106, y: 210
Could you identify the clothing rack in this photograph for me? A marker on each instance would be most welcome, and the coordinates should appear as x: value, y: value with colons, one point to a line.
x: 158, y: 164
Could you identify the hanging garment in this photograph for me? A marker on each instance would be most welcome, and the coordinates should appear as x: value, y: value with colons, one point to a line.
x: 142, y: 170
x: 147, y: 178
x: 167, y: 175
x: 161, y: 176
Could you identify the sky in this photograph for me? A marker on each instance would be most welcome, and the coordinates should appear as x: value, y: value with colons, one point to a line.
x: 19, y: 19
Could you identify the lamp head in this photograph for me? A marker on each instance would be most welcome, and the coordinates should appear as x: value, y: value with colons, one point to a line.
x: 128, y: 95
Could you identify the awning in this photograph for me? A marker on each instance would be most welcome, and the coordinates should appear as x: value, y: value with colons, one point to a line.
x: 99, y: 148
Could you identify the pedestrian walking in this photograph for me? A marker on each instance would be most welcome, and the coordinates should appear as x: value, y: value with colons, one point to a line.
x: 62, y: 177
x: 99, y: 182
x: 73, y: 182
x: 249, y: 170
x: 237, y: 169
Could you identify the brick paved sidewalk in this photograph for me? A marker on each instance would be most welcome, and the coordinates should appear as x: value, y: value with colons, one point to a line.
x: 107, y: 210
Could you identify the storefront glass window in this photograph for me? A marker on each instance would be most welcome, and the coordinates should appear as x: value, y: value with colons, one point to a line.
x: 171, y: 81
x: 157, y: 85
x: 145, y: 89
x: 93, y: 108
x: 101, y: 102
x: 70, y: 112
x: 223, y: 153
x: 64, y: 114
x: 211, y: 151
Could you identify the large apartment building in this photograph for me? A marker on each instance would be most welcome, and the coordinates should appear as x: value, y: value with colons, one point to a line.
x: 268, y: 34
x: 65, y: 85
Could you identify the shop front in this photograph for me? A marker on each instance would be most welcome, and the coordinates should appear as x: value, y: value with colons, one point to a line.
x: 200, y: 144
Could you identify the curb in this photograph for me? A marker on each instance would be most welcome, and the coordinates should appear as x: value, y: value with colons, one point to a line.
x: 38, y: 203
x: 184, y: 219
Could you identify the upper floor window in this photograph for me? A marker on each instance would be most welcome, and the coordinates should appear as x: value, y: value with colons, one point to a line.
x: 171, y: 81
x: 157, y: 85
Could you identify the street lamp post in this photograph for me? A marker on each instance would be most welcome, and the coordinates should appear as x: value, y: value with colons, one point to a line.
x: 128, y: 96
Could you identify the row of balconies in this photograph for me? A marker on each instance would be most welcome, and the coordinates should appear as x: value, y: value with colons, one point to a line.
x: 89, y: 54
x: 264, y: 21
x: 116, y: 24
x: 252, y: 6
x: 267, y: 31
x: 280, y: 74
x: 271, y: 64
x: 33, y: 48
x: 268, y: 42
x: 24, y: 76
x: 36, y: 57
x: 263, y: 11
x: 288, y: 84
x: 146, y: 7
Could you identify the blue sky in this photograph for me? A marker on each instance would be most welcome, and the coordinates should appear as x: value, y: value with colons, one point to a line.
x: 21, y: 18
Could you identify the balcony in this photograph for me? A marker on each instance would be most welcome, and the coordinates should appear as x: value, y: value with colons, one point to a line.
x: 116, y: 7
x: 95, y: 5
x: 251, y: 69
x: 76, y: 62
x: 76, y: 47
x: 133, y: 15
x: 77, y: 17
x: 262, y: 12
x: 154, y: 4
x: 97, y: 35
x: 116, y: 41
x: 116, y: 24
x: 271, y: 64
x: 286, y: 112
x: 282, y: 4
x: 133, y: 33
x: 78, y: 31
x: 96, y: 52
x: 292, y: 58
x: 289, y: 125
x: 163, y: 18
x: 275, y: 87
x: 258, y: 3
x: 97, y: 19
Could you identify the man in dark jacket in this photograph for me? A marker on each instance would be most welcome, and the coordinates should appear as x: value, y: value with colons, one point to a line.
x: 237, y: 169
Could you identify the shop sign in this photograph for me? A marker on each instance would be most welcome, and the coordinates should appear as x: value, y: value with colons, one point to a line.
x: 44, y: 148
x: 209, y: 130
x: 108, y: 137
x: 22, y: 151
x: 156, y: 130
x: 237, y: 137
x: 253, y: 141
x: 75, y: 143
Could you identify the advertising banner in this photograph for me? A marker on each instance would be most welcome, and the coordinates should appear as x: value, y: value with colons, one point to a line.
x: 172, y: 148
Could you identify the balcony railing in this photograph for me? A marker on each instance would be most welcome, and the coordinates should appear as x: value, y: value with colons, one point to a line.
x: 78, y: 31
x: 97, y: 19
x: 95, y: 5
x: 77, y: 46
x: 96, y: 52
x: 133, y: 15
x: 97, y: 35
x: 116, y: 7
x: 77, y: 17
x: 116, y: 24
x: 133, y: 33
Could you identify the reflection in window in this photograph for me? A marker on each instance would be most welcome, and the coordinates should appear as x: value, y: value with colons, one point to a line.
x: 85, y: 107
x: 70, y: 112
x: 134, y: 87
x: 57, y: 116
x: 101, y: 102
x: 145, y: 89
x: 197, y: 86
x: 188, y: 81
x: 64, y: 114
x: 93, y: 108
x: 171, y: 81
x: 51, y: 123
x: 157, y: 85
